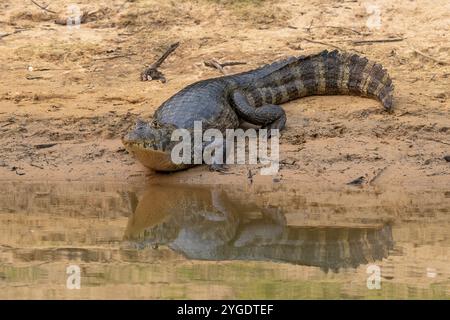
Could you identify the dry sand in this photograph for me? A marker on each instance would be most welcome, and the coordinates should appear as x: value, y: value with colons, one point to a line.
x: 80, y: 89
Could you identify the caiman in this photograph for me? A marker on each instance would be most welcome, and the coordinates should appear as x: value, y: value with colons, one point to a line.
x: 209, y: 224
x: 223, y: 103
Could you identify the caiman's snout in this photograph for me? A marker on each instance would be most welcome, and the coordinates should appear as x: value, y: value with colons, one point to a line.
x: 151, y: 147
x: 141, y: 134
x: 130, y: 138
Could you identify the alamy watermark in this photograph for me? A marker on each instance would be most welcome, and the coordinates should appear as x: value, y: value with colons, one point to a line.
x: 374, y: 19
x: 212, y: 147
x: 74, y: 279
x: 74, y: 15
x: 374, y: 279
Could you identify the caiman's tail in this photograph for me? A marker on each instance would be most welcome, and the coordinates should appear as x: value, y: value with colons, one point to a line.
x: 326, y: 73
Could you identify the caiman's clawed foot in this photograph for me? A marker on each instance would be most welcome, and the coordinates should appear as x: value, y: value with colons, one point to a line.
x: 218, y: 167
x: 278, y: 124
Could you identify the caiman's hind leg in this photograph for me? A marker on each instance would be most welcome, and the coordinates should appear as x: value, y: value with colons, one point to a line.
x: 269, y: 116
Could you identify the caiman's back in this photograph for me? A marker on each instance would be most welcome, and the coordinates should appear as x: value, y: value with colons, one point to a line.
x: 209, y: 100
x: 205, y: 101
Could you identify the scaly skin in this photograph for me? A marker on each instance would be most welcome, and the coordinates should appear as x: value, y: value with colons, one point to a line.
x: 205, y: 224
x: 254, y: 96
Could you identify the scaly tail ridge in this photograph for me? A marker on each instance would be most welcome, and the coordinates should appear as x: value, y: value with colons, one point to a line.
x: 325, y: 73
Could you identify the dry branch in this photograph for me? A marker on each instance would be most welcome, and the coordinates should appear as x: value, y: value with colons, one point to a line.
x: 43, y: 7
x: 152, y: 72
x: 336, y: 27
x: 213, y: 63
x: 439, y: 141
x: 358, y: 42
x: 10, y: 33
x: 430, y: 57
x: 232, y: 63
x: 115, y: 56
x: 321, y: 42
x: 377, y: 175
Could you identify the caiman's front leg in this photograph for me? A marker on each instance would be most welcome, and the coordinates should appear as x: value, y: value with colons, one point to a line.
x: 218, y: 159
x: 269, y: 116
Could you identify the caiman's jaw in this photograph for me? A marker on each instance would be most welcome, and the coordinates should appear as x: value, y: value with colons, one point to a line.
x: 151, y: 146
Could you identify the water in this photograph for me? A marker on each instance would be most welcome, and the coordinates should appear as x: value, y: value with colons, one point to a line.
x: 201, y: 242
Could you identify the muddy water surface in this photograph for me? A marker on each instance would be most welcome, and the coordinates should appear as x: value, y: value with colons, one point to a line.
x: 172, y: 241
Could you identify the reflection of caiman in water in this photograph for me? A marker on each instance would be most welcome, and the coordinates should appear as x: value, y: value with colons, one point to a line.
x: 205, y: 224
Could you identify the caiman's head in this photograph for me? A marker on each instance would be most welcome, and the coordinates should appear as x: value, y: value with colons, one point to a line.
x: 151, y: 146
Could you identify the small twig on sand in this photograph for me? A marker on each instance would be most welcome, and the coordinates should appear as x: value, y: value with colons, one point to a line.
x: 10, y: 122
x: 10, y: 33
x: 123, y: 5
x: 36, y: 166
x: 377, y: 175
x: 43, y: 7
x: 30, y: 77
x: 232, y: 63
x: 45, y: 145
x: 115, y: 57
x: 213, y: 63
x: 437, y: 140
x: 357, y: 182
x: 152, y: 72
x: 250, y: 175
x: 358, y: 42
x: 321, y: 42
x: 430, y: 57
x: 159, y: 62
x: 335, y: 27
x: 308, y: 29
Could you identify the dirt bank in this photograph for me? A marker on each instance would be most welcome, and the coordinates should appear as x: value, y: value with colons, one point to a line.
x: 68, y: 95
